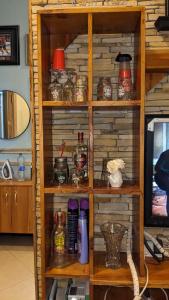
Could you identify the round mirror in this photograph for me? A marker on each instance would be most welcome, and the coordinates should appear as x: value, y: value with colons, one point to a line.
x: 14, y: 115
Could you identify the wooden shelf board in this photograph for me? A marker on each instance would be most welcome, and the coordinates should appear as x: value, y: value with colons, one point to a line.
x: 116, y: 102
x: 66, y: 189
x: 73, y: 270
x: 11, y: 182
x: 157, y: 60
x: 158, y: 274
x: 94, y: 103
x: 126, y: 188
x: 99, y: 188
x: 106, y: 276
x: 51, y: 103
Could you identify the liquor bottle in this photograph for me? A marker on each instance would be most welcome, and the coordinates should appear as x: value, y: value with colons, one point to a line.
x: 80, y: 160
x: 59, y: 236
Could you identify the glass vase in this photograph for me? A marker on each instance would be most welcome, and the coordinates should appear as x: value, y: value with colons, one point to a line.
x: 113, y: 234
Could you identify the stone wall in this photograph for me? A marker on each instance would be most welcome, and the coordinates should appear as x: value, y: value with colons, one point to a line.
x: 156, y: 101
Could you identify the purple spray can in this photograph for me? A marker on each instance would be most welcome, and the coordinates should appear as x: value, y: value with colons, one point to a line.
x: 82, y: 238
x: 72, y: 225
x: 84, y: 205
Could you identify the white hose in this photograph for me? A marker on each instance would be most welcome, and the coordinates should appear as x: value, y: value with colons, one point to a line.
x: 132, y: 266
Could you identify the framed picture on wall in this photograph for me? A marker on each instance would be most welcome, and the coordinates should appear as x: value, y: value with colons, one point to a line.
x: 9, y: 45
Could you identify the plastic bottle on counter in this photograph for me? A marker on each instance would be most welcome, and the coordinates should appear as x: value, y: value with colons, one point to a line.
x: 82, y: 238
x: 21, y: 167
x: 72, y: 225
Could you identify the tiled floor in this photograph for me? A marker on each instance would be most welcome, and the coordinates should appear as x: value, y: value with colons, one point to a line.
x: 16, y: 268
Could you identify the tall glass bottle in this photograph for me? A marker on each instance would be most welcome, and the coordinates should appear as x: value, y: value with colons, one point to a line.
x: 59, y: 237
x: 80, y: 173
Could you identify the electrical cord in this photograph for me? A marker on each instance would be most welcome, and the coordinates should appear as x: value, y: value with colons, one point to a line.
x: 147, y: 279
x: 159, y: 247
x: 105, y: 295
x: 165, y: 293
x: 132, y: 266
x: 137, y: 294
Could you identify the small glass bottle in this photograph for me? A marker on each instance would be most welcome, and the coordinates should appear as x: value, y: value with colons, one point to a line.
x: 61, y: 171
x: 21, y: 167
x: 81, y: 89
x: 104, y: 89
x: 80, y: 160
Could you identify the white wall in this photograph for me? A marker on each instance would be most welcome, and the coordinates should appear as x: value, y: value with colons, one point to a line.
x: 16, y: 78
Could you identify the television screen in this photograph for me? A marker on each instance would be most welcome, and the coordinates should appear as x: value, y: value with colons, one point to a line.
x: 156, y: 170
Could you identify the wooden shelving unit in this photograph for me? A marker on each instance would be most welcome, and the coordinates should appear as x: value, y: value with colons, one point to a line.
x: 58, y: 28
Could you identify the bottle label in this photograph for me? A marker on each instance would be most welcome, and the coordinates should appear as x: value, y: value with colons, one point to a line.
x: 125, y: 74
x: 107, y: 92
x: 21, y: 168
x: 72, y: 231
x: 79, y: 239
x: 81, y: 160
x: 60, y: 177
x: 59, y: 242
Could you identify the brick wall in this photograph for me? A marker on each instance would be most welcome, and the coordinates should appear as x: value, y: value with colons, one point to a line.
x: 105, y: 50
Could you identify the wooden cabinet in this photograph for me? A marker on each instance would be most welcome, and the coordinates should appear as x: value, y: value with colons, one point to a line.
x: 57, y: 29
x: 5, y: 210
x: 16, y: 209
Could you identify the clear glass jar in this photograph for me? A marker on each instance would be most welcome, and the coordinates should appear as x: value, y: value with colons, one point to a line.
x: 61, y: 170
x: 81, y: 91
x: 104, y: 89
x: 68, y: 90
x: 56, y: 91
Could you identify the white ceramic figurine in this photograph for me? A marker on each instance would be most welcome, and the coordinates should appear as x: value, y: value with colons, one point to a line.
x: 114, y: 168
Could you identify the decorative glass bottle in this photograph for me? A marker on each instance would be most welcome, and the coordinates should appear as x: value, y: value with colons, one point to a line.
x: 81, y: 91
x: 59, y: 236
x: 80, y: 172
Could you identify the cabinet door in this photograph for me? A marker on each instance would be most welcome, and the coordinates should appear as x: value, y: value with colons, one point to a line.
x: 5, y: 210
x: 20, y: 209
